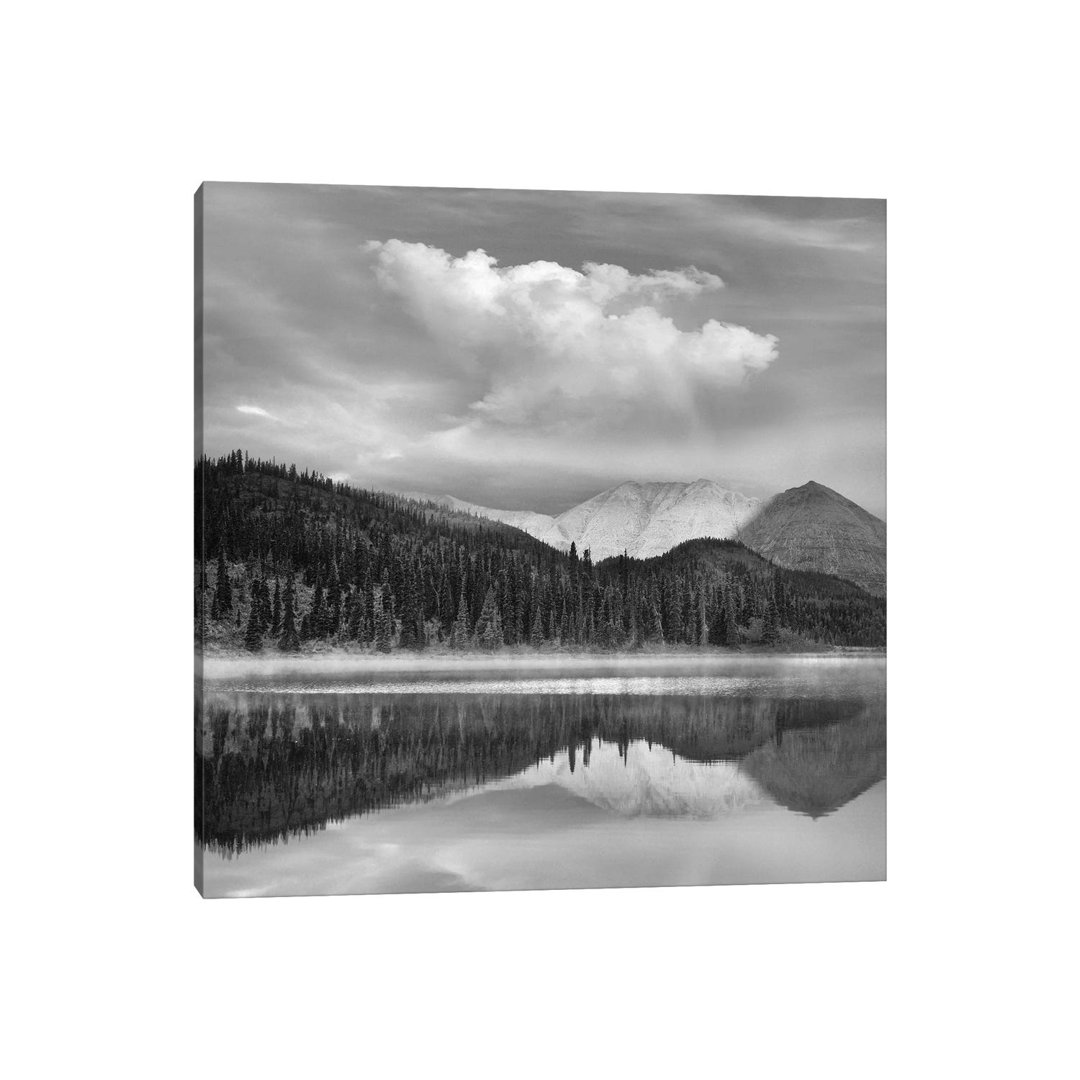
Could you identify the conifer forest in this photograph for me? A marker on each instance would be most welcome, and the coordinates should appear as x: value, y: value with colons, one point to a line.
x: 290, y: 561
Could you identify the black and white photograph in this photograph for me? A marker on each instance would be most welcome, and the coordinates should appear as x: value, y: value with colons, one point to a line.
x: 541, y: 540
x: 622, y: 566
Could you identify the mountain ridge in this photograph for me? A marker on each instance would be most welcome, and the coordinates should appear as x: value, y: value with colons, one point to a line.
x: 295, y: 561
x: 813, y: 527
x: 641, y: 518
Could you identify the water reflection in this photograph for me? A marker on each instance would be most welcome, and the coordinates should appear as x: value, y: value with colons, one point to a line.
x: 273, y: 764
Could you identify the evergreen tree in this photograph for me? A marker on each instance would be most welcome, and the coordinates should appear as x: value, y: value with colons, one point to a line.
x: 275, y: 614
x: 729, y: 635
x: 489, y: 625
x: 330, y: 617
x: 770, y: 632
x: 384, y: 624
x: 412, y: 616
x: 536, y: 634
x: 655, y: 631
x: 261, y: 518
x: 462, y: 634
x: 355, y: 616
x: 253, y: 637
x: 673, y: 613
x: 223, y: 591
x: 446, y: 602
x: 314, y: 618
x: 290, y: 639
x: 266, y: 611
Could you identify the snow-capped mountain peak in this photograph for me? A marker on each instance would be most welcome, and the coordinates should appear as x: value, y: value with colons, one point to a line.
x: 643, y: 519
x: 647, y: 519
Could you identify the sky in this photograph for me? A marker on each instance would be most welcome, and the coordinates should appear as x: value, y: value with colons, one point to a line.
x: 529, y: 349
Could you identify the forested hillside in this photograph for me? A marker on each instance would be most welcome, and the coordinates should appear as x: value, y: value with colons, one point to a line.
x: 815, y: 528
x: 292, y: 561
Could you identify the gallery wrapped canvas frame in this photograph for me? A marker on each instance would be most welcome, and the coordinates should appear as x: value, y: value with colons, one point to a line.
x: 540, y: 540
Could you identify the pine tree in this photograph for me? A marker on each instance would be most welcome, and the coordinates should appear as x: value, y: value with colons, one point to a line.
x: 266, y: 611
x: 489, y: 625
x: 266, y: 520
x: 673, y: 613
x: 412, y: 631
x: 517, y: 611
x: 770, y: 632
x: 461, y: 634
x: 384, y: 623
x: 314, y: 618
x: 378, y: 619
x: 355, y: 628
x: 536, y: 634
x: 655, y: 631
x: 446, y: 602
x: 290, y: 639
x: 275, y: 614
x: 729, y: 634
x: 330, y: 617
x: 223, y: 591
x: 255, y: 604
x: 253, y: 637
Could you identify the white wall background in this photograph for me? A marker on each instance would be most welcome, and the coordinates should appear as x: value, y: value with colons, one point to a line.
x: 961, y: 965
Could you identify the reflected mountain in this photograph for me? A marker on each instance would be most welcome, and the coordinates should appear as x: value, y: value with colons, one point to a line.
x: 271, y: 766
x: 815, y: 771
x: 644, y: 781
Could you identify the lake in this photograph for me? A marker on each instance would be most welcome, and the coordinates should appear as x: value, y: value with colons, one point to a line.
x: 329, y: 777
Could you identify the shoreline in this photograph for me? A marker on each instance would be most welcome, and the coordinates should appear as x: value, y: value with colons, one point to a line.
x: 221, y: 664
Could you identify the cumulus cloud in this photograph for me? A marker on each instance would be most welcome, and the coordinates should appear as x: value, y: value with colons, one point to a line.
x: 548, y: 344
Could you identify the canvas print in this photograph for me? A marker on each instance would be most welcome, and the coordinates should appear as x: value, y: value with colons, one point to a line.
x: 539, y: 540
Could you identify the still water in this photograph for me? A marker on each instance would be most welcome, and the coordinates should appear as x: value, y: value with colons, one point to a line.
x: 320, y: 779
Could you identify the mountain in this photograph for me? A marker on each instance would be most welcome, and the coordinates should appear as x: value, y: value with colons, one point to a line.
x: 649, y: 519
x: 541, y: 526
x: 813, y: 771
x: 644, y: 520
x: 642, y: 779
x: 293, y: 561
x: 817, y: 770
x: 814, y: 528
x: 805, y: 528
x: 322, y: 760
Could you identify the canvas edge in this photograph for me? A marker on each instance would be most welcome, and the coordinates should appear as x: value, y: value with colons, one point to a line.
x: 198, y: 540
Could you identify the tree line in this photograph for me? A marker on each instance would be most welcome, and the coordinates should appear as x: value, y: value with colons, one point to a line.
x: 289, y: 560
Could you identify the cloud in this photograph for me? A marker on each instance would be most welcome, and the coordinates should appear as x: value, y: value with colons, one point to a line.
x: 855, y: 235
x: 545, y: 345
x: 254, y: 410
x: 304, y: 324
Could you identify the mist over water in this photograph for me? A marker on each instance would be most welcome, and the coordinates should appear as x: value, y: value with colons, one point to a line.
x: 340, y: 777
x: 320, y: 666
